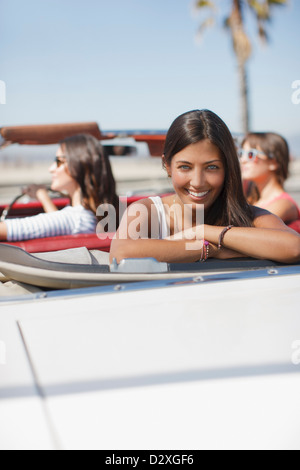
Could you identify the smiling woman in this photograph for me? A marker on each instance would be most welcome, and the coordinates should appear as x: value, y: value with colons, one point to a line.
x: 201, y: 158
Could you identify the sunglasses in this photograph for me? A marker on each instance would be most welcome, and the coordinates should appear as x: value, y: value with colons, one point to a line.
x: 60, y: 161
x: 251, y: 155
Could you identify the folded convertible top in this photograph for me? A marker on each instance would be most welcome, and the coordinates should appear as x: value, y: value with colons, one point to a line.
x: 79, y: 268
x: 47, y: 133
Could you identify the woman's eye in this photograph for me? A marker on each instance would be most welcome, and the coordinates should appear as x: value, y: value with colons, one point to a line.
x: 213, y: 167
x: 184, y: 167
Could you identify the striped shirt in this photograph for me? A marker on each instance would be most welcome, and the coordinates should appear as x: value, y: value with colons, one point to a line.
x: 68, y: 221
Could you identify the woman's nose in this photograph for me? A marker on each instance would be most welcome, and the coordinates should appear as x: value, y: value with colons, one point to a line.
x: 244, y: 159
x: 52, y: 168
x: 198, y: 179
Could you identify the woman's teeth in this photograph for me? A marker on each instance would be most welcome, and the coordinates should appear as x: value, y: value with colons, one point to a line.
x: 198, y: 194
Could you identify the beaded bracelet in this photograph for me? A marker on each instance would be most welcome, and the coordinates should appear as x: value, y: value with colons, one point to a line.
x: 205, y: 252
x: 223, y: 233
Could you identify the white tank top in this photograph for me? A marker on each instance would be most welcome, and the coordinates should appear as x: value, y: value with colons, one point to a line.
x: 162, y: 219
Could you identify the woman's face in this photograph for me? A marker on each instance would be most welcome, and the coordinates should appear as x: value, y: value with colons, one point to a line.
x: 259, y: 167
x: 198, y: 173
x: 62, y: 181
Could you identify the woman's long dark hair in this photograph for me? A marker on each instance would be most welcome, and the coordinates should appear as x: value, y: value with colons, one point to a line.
x: 231, y: 207
x: 90, y: 167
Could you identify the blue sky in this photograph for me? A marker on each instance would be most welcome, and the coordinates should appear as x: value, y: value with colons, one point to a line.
x: 135, y: 64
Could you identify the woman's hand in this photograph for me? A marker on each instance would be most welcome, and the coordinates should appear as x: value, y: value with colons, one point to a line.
x: 202, y: 232
x: 34, y: 190
x: 224, y: 253
x: 40, y: 192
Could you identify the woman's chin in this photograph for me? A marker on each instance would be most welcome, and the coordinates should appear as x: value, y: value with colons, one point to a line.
x: 247, y: 174
x: 55, y: 187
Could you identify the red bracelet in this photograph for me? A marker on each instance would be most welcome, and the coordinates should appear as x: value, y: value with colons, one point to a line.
x: 223, y: 233
x: 205, y: 252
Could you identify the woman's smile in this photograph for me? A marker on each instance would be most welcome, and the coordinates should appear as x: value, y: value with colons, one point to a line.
x: 198, y: 196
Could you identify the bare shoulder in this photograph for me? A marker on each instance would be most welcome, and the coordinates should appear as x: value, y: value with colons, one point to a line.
x: 142, y: 209
x: 264, y: 219
x: 146, y: 202
x: 137, y: 214
x: 285, y: 209
x: 168, y: 200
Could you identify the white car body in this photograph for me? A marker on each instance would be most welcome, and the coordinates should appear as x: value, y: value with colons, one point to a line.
x: 199, y: 362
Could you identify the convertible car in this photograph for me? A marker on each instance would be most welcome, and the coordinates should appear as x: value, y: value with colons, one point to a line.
x: 145, y: 355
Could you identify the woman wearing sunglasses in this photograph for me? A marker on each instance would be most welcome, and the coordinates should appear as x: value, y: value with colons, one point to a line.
x: 83, y: 172
x: 201, y: 159
x: 265, y: 160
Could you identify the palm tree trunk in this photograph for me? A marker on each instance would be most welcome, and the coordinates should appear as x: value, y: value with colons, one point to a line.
x: 244, y: 96
x: 242, y: 48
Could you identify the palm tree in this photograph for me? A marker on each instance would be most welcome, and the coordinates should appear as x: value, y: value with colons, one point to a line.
x: 235, y: 23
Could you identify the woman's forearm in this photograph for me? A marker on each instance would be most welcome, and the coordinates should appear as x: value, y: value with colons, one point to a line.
x: 274, y: 244
x: 46, y: 201
x: 277, y: 245
x: 3, y: 231
x: 181, y: 251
